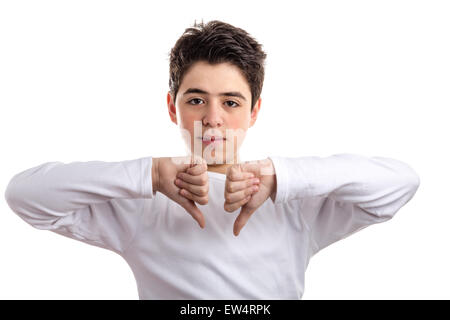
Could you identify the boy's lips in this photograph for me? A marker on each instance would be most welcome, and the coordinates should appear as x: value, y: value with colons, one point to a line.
x: 206, y: 140
x: 212, y: 138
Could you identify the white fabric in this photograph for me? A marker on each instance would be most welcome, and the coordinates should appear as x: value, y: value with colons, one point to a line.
x: 319, y: 201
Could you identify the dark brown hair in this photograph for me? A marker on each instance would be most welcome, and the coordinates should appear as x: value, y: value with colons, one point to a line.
x: 217, y: 42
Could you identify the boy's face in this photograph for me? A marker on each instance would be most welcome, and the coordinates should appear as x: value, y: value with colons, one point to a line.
x: 210, y: 113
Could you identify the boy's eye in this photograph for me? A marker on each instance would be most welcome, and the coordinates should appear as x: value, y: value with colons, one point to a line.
x: 233, y: 104
x: 196, y: 99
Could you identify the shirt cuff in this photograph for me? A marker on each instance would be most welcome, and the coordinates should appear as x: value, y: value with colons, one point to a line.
x: 146, y: 176
x: 281, y: 177
x: 291, y: 180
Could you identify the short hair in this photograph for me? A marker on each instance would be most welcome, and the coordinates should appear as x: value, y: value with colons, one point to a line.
x: 217, y: 42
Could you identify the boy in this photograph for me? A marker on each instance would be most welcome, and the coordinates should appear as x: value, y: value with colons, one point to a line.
x: 140, y: 208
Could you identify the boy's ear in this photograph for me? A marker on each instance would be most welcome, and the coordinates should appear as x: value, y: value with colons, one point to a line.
x: 171, y: 108
x: 255, y: 111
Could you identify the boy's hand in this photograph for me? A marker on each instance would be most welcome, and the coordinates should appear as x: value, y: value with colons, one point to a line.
x: 193, y: 185
x: 239, y: 190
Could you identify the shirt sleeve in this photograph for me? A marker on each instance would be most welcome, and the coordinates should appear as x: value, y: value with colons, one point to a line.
x: 78, y: 199
x: 343, y: 193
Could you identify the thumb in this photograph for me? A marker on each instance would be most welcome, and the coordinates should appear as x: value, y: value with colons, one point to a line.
x: 242, y: 218
x: 195, y: 212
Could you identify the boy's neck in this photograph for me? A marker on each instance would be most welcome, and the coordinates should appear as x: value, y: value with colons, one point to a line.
x: 219, y: 168
x: 222, y: 167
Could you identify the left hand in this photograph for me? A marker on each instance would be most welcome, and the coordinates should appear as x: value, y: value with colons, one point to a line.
x: 238, y: 181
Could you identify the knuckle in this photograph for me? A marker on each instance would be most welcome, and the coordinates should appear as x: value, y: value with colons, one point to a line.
x: 187, y: 194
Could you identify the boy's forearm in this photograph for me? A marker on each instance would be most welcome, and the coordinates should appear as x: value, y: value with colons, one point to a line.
x: 155, y: 174
x: 45, y: 193
x: 379, y: 185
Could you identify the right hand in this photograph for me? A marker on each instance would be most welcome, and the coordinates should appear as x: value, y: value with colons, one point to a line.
x: 194, y: 168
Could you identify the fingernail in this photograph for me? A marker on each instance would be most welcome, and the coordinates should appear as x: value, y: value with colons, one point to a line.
x: 255, y: 188
x: 256, y: 180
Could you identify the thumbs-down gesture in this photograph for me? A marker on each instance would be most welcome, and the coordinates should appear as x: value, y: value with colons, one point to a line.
x: 248, y: 185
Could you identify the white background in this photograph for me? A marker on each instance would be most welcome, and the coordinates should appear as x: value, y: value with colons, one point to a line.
x: 87, y: 80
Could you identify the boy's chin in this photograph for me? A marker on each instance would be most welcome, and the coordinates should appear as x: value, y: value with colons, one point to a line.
x: 216, y: 160
x: 216, y: 157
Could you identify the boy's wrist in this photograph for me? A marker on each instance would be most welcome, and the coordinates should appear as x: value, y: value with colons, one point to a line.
x: 155, y: 174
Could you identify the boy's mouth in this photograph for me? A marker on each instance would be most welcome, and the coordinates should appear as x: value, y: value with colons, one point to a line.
x: 211, y: 138
x: 207, y: 140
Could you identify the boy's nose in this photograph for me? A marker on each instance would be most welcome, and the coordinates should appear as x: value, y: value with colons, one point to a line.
x: 213, y: 117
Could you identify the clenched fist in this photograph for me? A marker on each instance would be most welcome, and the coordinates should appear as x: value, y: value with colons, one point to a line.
x: 248, y: 185
x: 185, y: 181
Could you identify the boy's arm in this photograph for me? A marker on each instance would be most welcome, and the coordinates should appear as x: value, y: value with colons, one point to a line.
x: 350, y: 191
x: 73, y: 199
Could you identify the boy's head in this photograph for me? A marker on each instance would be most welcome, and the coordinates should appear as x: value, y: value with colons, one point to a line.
x: 216, y: 79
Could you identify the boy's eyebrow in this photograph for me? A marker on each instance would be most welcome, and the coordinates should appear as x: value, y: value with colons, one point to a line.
x: 228, y: 94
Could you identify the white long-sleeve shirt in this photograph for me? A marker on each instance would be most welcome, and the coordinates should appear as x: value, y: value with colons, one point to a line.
x: 319, y: 201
